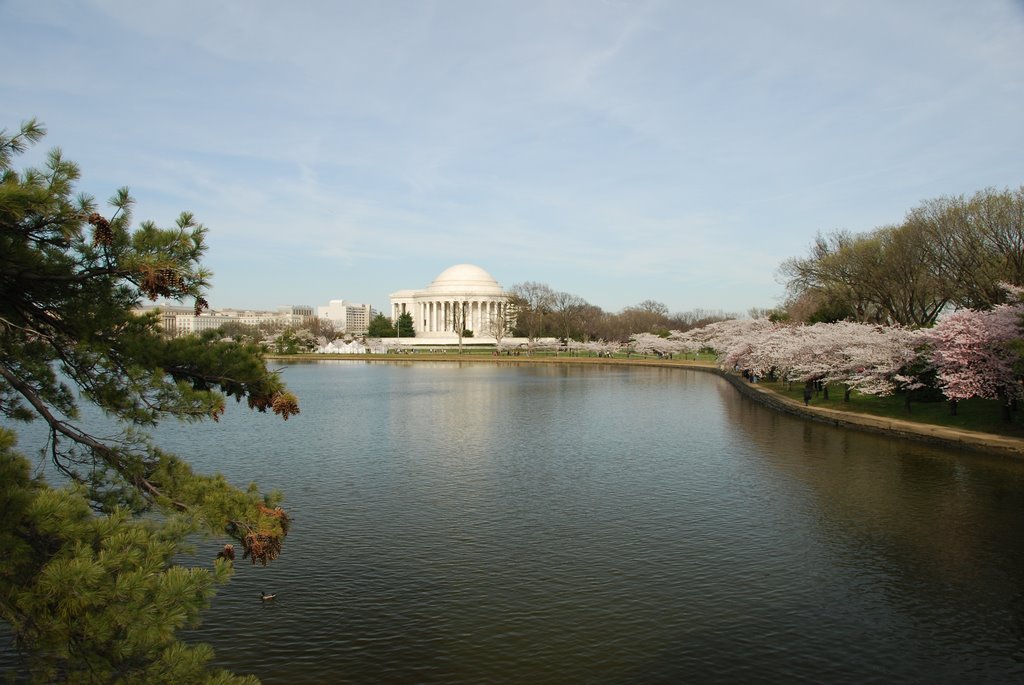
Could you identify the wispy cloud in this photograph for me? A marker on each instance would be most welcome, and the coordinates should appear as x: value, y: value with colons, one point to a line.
x: 620, y: 150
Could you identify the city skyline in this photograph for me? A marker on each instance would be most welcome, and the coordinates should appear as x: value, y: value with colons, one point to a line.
x: 617, y: 151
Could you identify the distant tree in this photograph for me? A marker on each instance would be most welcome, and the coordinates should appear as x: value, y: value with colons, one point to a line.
x: 295, y: 341
x: 566, y: 315
x: 458, y: 317
x: 590, y: 318
x: 532, y: 303
x: 601, y: 348
x: 405, y: 326
x: 949, y: 251
x: 662, y: 346
x: 239, y: 332
x: 322, y: 327
x: 90, y: 591
x: 654, y: 307
x: 380, y: 327
x: 611, y: 326
x: 833, y: 272
x: 499, y: 323
x: 776, y: 314
x: 695, y: 318
x: 815, y: 306
x: 974, y: 245
x: 903, y: 280
x: 647, y: 317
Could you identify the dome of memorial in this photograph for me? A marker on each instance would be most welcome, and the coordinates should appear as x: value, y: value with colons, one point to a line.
x: 464, y: 278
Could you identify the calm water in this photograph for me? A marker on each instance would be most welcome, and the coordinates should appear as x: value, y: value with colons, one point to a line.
x: 480, y: 524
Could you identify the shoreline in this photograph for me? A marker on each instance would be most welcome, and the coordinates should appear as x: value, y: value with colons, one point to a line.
x: 908, y: 430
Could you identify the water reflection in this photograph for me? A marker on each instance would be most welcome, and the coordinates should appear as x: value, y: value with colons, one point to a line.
x: 476, y: 523
x: 932, y: 533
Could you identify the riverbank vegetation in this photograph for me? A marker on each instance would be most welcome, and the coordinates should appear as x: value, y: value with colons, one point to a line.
x: 977, y: 414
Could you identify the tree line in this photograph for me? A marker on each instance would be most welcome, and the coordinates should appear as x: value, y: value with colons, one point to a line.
x: 539, y: 311
x: 948, y: 253
x: 972, y: 353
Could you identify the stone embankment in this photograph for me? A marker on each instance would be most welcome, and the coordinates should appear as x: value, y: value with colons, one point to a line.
x: 938, y: 435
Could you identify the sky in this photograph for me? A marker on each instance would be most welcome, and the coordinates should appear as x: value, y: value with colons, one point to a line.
x: 619, y: 151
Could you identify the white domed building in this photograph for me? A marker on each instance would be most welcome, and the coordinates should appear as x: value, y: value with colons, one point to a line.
x: 432, y: 308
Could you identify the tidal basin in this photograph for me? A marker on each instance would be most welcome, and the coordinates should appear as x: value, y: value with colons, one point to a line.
x: 472, y: 523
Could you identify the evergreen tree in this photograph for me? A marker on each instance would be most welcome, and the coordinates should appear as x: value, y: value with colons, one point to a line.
x: 380, y: 327
x: 405, y: 328
x: 88, y: 588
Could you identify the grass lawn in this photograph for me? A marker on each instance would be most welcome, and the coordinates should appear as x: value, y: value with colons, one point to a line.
x: 985, y: 416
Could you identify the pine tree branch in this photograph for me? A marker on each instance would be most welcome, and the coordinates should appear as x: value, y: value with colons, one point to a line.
x: 105, y: 452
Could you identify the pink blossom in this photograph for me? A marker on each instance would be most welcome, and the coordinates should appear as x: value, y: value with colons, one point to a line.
x: 972, y: 355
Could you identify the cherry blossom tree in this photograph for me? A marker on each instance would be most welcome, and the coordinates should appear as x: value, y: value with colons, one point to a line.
x: 506, y: 346
x: 974, y: 354
x: 871, y: 359
x: 545, y: 345
x: 685, y: 344
x: 732, y: 340
x: 602, y: 348
x: 649, y: 343
x: 866, y: 357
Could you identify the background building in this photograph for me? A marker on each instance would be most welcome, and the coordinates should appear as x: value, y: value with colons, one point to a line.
x: 296, y: 315
x: 179, y: 320
x: 347, y: 317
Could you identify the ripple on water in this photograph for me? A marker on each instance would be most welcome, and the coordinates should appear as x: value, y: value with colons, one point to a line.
x: 521, y: 525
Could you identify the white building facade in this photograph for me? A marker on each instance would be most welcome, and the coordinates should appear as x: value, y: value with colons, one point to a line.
x: 347, y: 317
x: 295, y: 314
x: 177, y: 320
x: 435, y: 309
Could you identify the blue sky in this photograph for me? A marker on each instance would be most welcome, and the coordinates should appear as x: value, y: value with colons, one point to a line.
x: 621, y: 151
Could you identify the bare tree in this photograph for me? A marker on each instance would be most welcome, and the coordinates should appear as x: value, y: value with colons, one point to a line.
x: 591, y: 318
x: 647, y: 317
x: 890, y: 275
x: 695, y: 318
x: 565, y: 313
x: 975, y: 243
x: 458, y: 315
x: 500, y: 322
x: 532, y: 303
x: 322, y: 327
